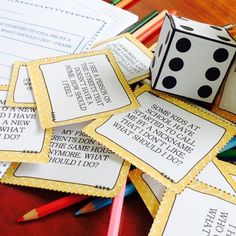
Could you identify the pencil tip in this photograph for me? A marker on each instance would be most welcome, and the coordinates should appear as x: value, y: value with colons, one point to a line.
x: 77, y: 213
x: 21, y: 219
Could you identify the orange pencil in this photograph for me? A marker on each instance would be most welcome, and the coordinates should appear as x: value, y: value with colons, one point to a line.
x: 51, y: 207
x: 152, y: 22
x: 155, y: 23
x: 232, y: 32
x: 123, y: 3
x: 149, y: 32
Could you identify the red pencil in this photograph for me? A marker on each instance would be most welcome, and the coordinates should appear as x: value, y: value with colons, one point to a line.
x: 51, y: 207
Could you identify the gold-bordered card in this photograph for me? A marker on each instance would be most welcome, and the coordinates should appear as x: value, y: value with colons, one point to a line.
x: 132, y: 56
x: 230, y: 168
x: 149, y: 189
x: 199, y: 210
x: 21, y: 137
x: 20, y: 93
x: 215, y: 175
x: 77, y: 164
x: 167, y: 138
x: 224, y: 104
x: 80, y: 87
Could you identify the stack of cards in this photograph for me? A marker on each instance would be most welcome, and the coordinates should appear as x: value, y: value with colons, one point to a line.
x: 51, y: 100
x: 79, y: 113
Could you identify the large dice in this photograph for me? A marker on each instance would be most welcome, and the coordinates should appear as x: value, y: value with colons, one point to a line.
x: 191, y: 58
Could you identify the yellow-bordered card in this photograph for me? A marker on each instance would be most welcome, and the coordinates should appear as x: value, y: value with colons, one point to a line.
x: 149, y: 189
x: 132, y: 56
x: 231, y: 169
x: 215, y: 175
x: 20, y: 92
x: 166, y: 137
x: 199, y: 210
x: 77, y: 164
x: 79, y: 87
x: 224, y: 104
x: 21, y: 137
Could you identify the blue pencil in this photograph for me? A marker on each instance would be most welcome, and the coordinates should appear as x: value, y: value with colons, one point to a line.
x: 102, y: 202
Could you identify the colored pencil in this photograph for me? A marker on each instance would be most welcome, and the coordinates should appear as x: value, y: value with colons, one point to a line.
x: 142, y: 22
x: 114, y: 223
x: 152, y: 22
x: 123, y: 3
x: 231, y: 144
x: 152, y: 26
x: 114, y: 2
x: 100, y: 203
x: 52, y: 207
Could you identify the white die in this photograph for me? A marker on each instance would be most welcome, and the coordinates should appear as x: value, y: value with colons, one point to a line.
x: 191, y: 58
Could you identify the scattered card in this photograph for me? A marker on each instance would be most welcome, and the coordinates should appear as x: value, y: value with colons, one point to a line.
x: 132, y: 56
x: 77, y: 88
x: 230, y: 168
x: 149, y: 189
x: 77, y: 164
x: 197, y: 211
x: 3, y: 168
x: 21, y: 138
x: 166, y: 137
x: 20, y: 92
x: 216, y: 176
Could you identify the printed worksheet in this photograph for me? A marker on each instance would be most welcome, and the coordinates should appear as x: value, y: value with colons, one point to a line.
x: 33, y: 29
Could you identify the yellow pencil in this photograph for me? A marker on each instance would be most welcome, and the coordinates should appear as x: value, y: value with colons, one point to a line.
x: 124, y: 3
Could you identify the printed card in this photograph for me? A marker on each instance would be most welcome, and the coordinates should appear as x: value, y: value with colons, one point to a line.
x: 132, y: 56
x: 224, y: 104
x: 20, y: 92
x: 77, y: 164
x: 231, y: 169
x: 21, y: 138
x: 166, y: 138
x: 215, y: 175
x: 76, y: 88
x: 149, y: 189
x: 197, y: 211
x: 3, y: 168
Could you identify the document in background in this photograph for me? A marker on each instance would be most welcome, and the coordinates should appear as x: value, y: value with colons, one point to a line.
x: 120, y: 19
x: 33, y: 29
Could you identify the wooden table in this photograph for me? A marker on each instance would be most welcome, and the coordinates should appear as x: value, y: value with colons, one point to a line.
x: 136, y: 220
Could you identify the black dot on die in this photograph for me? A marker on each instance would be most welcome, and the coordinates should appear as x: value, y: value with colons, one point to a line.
x: 182, y: 18
x: 167, y: 37
x: 160, y: 49
x: 212, y: 74
x: 153, y: 61
x: 223, y: 38
x: 204, y: 91
x: 221, y: 55
x: 216, y: 28
x: 176, y: 64
x: 169, y: 82
x: 187, y: 28
x: 183, y: 45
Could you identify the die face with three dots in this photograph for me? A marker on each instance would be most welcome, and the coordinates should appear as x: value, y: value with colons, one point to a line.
x: 191, y: 58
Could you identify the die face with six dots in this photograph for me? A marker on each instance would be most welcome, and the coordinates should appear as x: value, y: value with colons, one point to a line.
x: 191, y: 58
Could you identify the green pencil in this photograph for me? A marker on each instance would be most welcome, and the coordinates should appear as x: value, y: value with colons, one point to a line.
x: 114, y: 2
x: 142, y: 22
